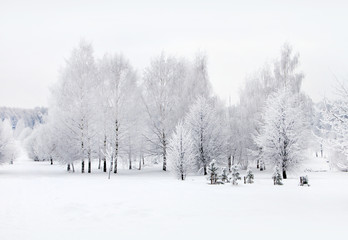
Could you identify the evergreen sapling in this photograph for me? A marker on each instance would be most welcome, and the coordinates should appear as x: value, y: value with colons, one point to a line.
x: 277, y: 176
x: 213, y: 172
x: 235, y: 175
x: 249, y: 178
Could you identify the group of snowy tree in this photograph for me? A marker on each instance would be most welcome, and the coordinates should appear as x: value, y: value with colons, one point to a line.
x: 27, y: 117
x: 271, y: 125
x: 273, y: 121
x: 199, y: 139
x: 15, y: 127
x: 101, y: 109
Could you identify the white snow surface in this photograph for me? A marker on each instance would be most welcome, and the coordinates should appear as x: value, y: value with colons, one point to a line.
x: 40, y: 201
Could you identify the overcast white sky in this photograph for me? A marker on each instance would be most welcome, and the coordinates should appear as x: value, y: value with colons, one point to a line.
x: 238, y: 37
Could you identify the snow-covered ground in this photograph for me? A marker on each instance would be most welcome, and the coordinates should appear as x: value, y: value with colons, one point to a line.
x: 40, y: 201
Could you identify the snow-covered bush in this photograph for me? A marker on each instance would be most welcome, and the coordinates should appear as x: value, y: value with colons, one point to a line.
x: 249, y: 178
x: 213, y: 172
x: 41, y: 143
x: 235, y: 175
x: 180, y: 155
x: 277, y: 176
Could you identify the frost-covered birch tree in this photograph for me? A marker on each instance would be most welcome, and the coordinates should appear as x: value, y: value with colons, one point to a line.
x: 284, y: 133
x: 244, y: 119
x: 285, y: 70
x: 199, y: 84
x: 181, y: 152
x: 208, y: 139
x: 132, y: 146
x: 119, y: 87
x: 162, y: 80
x: 74, y: 103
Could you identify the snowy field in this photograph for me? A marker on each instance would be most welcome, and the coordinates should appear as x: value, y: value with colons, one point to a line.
x: 40, y: 201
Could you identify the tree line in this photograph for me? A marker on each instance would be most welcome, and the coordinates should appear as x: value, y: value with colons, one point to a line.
x: 102, y: 109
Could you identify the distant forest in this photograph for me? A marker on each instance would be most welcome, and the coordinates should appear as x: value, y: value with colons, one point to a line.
x: 30, y: 117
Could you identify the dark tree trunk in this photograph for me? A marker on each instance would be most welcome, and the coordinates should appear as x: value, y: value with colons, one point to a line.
x: 104, y: 157
x: 130, y: 158
x: 104, y: 167
x: 258, y: 164
x: 83, y: 166
x: 130, y: 153
x: 115, y: 168
x: 110, y: 169
x: 182, y: 177
x: 229, y: 163
x: 164, y: 162
x: 83, y: 161
x: 164, y: 152
x: 68, y: 167
x: 116, y: 147
x: 82, y: 150
x: 51, y: 161
x: 201, y: 152
x: 99, y: 164
x: 284, y: 174
x: 89, y: 161
x: 321, y: 150
x: 72, y: 166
